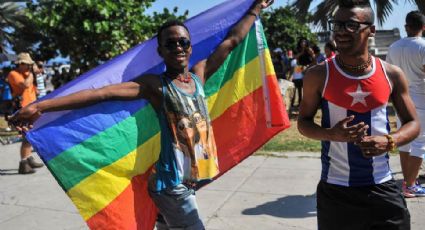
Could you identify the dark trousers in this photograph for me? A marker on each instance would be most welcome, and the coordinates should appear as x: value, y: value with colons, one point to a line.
x: 374, y: 207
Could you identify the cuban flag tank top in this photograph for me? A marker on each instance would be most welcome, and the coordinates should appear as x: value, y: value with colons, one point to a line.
x: 366, y: 97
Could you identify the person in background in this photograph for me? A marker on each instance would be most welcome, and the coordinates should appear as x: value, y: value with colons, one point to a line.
x: 21, y: 81
x: 6, y: 105
x: 409, y: 54
x: 278, y: 63
x: 319, y: 56
x: 330, y: 49
x: 40, y: 78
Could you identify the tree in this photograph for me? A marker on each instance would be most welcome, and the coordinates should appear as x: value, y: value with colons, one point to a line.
x: 283, y: 29
x: 89, y: 32
x: 11, y: 16
x: 325, y: 9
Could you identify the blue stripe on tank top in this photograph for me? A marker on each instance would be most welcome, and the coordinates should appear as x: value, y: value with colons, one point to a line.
x: 325, y: 144
x: 361, y: 168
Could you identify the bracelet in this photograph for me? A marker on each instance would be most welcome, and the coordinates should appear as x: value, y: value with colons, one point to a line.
x: 391, y: 142
x: 252, y: 13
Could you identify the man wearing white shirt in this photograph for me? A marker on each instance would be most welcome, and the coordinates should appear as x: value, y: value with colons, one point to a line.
x: 409, y: 54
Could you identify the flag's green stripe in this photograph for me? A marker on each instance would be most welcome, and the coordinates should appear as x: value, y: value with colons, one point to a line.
x: 104, y: 148
x: 239, y: 57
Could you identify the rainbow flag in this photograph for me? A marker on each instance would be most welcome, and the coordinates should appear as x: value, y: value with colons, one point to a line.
x: 102, y: 155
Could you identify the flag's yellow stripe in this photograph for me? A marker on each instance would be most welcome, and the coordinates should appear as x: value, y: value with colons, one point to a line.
x: 99, y: 189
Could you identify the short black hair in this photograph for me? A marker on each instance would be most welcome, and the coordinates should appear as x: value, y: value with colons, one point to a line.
x: 169, y: 24
x: 362, y: 4
x: 316, y: 49
x: 415, y: 20
x: 330, y: 45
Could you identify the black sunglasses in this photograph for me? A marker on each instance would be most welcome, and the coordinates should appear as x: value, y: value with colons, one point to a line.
x: 349, y: 26
x: 173, y: 44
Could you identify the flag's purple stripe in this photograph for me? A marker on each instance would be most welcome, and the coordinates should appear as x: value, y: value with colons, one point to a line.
x: 143, y: 57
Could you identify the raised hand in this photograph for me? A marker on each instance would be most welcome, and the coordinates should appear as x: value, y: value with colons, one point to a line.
x: 264, y: 3
x: 342, y: 132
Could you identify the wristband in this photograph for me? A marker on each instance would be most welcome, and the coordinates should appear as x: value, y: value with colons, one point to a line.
x: 391, y: 142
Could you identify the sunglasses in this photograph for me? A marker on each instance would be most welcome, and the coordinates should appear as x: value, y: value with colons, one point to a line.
x: 349, y: 26
x: 173, y: 44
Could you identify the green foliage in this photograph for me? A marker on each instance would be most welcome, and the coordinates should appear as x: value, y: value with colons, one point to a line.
x: 90, y: 32
x: 283, y: 29
x: 325, y: 8
x: 11, y: 16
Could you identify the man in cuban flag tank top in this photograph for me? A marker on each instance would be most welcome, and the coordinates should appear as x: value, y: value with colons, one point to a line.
x: 353, y: 90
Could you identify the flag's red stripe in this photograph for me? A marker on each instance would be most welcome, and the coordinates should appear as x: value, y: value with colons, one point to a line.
x: 132, y: 209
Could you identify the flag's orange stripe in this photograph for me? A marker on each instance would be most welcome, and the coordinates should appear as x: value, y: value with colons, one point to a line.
x: 132, y: 209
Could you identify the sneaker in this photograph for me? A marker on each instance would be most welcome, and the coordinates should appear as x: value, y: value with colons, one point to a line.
x: 406, y: 193
x: 414, y: 191
x: 33, y: 163
x: 25, y: 168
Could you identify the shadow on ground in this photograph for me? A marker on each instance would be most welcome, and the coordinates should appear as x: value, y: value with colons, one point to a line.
x: 296, y: 206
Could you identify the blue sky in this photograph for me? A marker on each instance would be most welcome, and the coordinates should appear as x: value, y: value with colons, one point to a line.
x: 197, y: 6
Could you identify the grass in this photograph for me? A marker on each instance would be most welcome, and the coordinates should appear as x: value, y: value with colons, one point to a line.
x: 291, y: 140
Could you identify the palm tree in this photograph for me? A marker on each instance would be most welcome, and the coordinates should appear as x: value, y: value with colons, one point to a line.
x: 325, y: 9
x: 11, y: 16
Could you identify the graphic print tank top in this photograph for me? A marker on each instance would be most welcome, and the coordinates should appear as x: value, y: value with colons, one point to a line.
x: 188, y: 150
x: 366, y: 97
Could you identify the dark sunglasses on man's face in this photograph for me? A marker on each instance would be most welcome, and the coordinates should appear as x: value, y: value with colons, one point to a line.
x: 349, y: 26
x: 173, y: 44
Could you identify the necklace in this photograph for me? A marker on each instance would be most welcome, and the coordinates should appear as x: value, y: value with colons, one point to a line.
x: 184, y: 77
x: 355, y: 68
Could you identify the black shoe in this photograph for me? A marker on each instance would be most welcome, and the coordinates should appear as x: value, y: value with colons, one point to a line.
x: 33, y: 163
x: 25, y: 168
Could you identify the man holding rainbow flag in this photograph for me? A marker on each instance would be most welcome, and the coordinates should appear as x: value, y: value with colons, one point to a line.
x: 188, y: 151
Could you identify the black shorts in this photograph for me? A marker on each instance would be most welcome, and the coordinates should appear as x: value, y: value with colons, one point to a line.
x: 361, y: 208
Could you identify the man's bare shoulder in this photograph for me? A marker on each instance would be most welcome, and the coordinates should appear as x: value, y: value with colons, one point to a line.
x: 394, y: 72
x: 316, y: 73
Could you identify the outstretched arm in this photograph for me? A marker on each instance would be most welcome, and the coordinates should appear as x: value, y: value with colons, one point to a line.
x: 124, y: 91
x: 206, y: 68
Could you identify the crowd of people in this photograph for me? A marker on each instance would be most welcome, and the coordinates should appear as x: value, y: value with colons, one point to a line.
x: 351, y: 87
x: 292, y: 67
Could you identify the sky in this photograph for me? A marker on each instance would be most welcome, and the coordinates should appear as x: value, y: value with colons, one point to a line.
x: 395, y: 20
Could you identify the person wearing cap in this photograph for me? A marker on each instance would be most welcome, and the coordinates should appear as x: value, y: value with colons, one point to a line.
x: 21, y: 81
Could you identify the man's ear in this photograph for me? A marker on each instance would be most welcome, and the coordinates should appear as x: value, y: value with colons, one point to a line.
x: 372, y: 31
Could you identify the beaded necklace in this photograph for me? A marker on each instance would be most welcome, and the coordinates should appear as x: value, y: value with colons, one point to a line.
x: 355, y: 68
